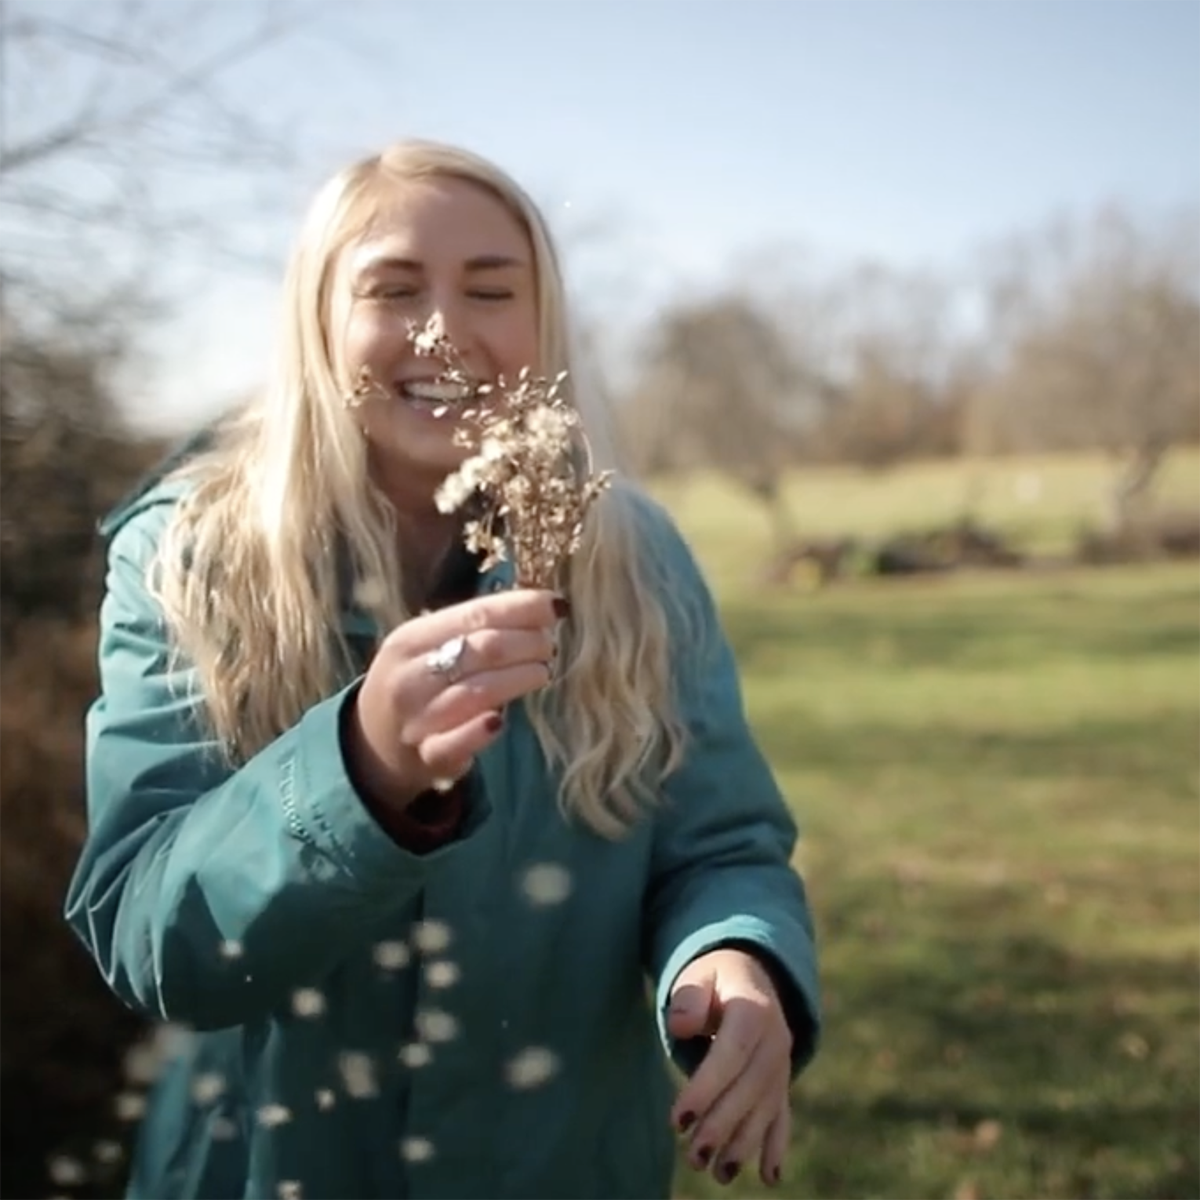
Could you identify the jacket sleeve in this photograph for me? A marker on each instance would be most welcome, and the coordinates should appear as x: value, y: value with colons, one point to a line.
x: 721, y: 871
x: 207, y: 895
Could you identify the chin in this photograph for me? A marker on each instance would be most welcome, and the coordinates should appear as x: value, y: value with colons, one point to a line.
x: 420, y: 455
x: 417, y: 437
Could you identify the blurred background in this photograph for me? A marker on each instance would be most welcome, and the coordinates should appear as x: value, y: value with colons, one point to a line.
x: 897, y: 305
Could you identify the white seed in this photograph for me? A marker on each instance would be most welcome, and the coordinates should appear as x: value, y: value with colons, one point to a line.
x: 416, y: 1055
x: 208, y: 1087
x: 531, y: 1068
x: 442, y: 974
x: 108, y: 1152
x: 436, y: 1026
x: 325, y: 1099
x: 142, y: 1063
x: 66, y: 1171
x: 369, y: 593
x: 290, y: 1189
x: 416, y: 1149
x: 358, y: 1075
x: 431, y: 937
x: 391, y: 956
x: 308, y: 1002
x: 130, y: 1106
x: 546, y: 884
x: 173, y: 1040
x: 231, y: 949
x: 271, y: 1115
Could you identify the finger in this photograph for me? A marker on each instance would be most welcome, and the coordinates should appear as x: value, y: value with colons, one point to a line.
x: 733, y: 1127
x: 487, y: 650
x: 449, y: 755
x: 522, y: 608
x: 743, y: 1025
x: 694, y: 1010
x: 749, y: 1116
x: 464, y: 701
x: 776, y: 1142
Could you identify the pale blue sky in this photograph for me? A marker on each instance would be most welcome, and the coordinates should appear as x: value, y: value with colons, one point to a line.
x: 703, y: 132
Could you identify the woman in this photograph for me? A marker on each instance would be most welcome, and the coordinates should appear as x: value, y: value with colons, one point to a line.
x: 399, y: 841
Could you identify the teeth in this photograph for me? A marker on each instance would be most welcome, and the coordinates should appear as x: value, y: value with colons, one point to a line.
x: 435, y: 392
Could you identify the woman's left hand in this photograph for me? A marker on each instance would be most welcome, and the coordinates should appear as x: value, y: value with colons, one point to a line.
x: 736, y: 1107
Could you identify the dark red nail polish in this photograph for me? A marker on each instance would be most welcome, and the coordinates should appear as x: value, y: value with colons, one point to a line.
x: 493, y: 723
x: 687, y: 1121
x: 704, y: 1155
x: 728, y: 1172
x: 775, y: 1176
x: 562, y: 606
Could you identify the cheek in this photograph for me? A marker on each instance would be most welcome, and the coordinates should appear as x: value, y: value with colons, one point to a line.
x: 366, y: 339
x: 516, y: 345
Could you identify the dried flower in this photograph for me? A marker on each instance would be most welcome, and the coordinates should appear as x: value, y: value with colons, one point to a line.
x: 429, y: 341
x: 529, y: 481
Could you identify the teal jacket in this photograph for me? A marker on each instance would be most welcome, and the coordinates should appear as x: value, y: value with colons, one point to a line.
x: 361, y: 1021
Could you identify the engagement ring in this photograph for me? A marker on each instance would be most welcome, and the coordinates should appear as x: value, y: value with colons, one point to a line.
x: 446, y: 660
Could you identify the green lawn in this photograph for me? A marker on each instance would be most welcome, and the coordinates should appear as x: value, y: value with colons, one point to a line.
x: 998, y: 779
x: 1039, y: 503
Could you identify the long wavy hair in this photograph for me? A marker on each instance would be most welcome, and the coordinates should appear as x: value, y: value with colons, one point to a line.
x: 253, y: 568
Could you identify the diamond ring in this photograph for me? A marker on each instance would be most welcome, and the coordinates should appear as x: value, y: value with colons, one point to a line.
x: 446, y: 660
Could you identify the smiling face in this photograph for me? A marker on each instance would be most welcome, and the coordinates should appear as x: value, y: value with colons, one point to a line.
x: 442, y: 248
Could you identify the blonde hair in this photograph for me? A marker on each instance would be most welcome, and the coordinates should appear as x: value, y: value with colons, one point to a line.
x: 252, y: 571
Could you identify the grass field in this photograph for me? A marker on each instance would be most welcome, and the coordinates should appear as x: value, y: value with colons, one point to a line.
x: 1039, y: 503
x: 998, y: 779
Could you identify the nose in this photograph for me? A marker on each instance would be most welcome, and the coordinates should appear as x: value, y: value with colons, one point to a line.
x: 448, y: 317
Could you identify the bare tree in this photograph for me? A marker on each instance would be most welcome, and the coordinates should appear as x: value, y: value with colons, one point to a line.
x: 1098, y: 327
x: 897, y: 351
x: 124, y: 144
x: 721, y: 387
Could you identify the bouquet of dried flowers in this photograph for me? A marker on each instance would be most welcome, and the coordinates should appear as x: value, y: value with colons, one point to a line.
x: 530, y: 480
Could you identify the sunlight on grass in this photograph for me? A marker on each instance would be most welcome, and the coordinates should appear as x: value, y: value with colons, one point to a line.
x: 997, y: 777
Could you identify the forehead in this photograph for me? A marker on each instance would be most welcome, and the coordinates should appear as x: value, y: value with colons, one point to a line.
x: 439, y: 220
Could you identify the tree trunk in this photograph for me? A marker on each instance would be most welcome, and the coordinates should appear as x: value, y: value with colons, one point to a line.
x: 1135, y: 478
x: 768, y: 489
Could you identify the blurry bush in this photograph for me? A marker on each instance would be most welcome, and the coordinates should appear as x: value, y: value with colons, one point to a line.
x: 962, y: 543
x: 1154, y: 536
x: 64, y: 458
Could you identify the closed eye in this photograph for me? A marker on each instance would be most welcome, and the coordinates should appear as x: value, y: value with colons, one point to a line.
x: 393, y: 291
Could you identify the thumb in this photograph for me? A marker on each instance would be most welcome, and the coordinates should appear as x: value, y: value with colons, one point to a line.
x: 692, y: 1011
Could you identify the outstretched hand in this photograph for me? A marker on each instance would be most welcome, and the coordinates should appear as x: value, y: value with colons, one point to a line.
x: 736, y: 1108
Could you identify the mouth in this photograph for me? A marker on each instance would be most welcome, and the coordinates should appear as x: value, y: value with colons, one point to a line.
x: 437, y: 397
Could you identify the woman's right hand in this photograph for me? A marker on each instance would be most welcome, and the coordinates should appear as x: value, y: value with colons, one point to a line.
x: 412, y: 727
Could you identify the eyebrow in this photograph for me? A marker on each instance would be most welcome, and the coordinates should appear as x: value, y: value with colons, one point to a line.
x: 481, y: 262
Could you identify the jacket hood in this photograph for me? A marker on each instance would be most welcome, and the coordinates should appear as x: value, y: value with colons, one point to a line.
x: 155, y: 486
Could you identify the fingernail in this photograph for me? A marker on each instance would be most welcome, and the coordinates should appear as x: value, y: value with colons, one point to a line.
x: 493, y: 723
x: 703, y: 1155
x: 728, y: 1172
x: 561, y: 606
x: 687, y: 1121
x: 774, y: 1176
